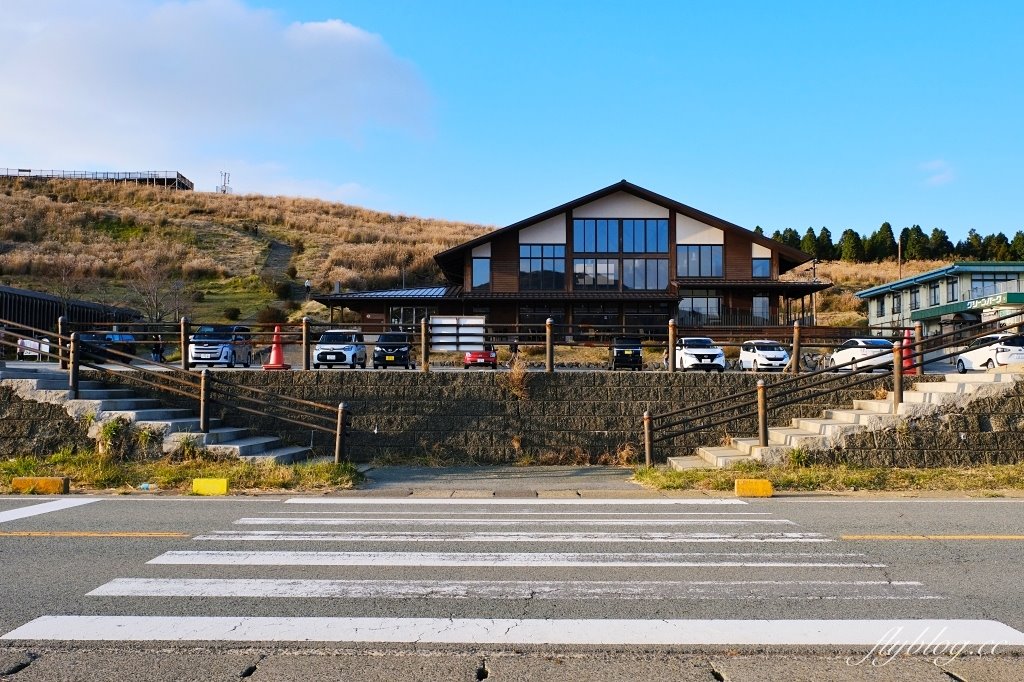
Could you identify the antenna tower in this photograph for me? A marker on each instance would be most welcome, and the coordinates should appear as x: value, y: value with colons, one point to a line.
x: 224, y: 187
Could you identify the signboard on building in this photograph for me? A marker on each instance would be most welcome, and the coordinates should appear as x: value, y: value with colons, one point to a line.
x: 456, y: 332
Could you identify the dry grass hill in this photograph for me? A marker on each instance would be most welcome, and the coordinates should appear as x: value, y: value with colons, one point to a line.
x: 204, y: 254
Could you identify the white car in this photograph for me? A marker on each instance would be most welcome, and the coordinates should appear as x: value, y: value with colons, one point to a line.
x: 699, y: 352
x: 220, y: 345
x: 340, y: 347
x: 993, y: 350
x: 860, y: 352
x: 763, y: 354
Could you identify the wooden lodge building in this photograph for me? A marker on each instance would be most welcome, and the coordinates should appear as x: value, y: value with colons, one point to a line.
x: 622, y: 257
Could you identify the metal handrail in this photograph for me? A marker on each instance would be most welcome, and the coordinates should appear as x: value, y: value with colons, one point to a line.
x: 915, y: 353
x: 189, y: 384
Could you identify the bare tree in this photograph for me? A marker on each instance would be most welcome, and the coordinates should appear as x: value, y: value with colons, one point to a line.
x: 158, y: 293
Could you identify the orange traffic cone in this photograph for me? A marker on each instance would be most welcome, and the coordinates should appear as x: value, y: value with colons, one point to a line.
x: 277, y: 353
x: 907, y: 351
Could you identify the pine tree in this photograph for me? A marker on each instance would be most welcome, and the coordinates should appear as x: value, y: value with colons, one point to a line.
x: 939, y: 245
x: 882, y: 244
x: 791, y: 237
x: 826, y: 249
x: 916, y: 247
x: 809, y: 244
x: 851, y: 247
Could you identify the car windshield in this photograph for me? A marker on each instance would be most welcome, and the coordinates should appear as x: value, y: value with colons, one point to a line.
x: 769, y: 347
x: 221, y: 337
x: 697, y: 343
x: 877, y: 343
x: 338, y: 337
x: 393, y: 338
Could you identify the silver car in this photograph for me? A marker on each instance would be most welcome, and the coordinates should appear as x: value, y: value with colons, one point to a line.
x: 340, y: 347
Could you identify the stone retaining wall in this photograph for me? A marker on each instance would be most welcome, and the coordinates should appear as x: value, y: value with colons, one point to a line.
x: 472, y: 417
x: 31, y: 428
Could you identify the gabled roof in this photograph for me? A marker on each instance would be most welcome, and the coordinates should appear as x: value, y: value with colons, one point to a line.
x: 451, y: 261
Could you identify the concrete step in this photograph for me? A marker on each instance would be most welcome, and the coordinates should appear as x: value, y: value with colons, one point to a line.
x: 784, y: 435
x: 149, y: 415
x: 865, y: 417
x: 242, y: 447
x: 930, y: 397
x: 832, y: 428
x: 980, y: 377
x: 687, y: 462
x: 282, y: 455
x: 61, y: 384
x: 134, y: 405
x: 189, y: 425
x: 105, y: 393
x: 880, y: 406
x: 721, y: 457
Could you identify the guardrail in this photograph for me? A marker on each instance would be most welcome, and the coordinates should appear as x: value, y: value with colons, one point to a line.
x: 757, y: 402
x: 72, y: 353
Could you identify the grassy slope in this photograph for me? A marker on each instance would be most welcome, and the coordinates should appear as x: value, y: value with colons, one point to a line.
x: 94, y: 237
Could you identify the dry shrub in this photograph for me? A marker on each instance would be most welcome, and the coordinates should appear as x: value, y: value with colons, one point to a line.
x: 515, y: 380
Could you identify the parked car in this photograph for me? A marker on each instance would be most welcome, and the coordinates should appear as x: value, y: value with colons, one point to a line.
x: 859, y: 351
x: 993, y: 350
x: 340, y: 347
x: 94, y: 347
x: 220, y: 345
x: 487, y: 357
x: 699, y: 352
x: 393, y: 348
x: 625, y: 351
x: 763, y: 354
x: 122, y: 342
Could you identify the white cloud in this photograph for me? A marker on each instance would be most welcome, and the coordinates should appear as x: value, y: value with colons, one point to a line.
x: 162, y: 85
x: 939, y: 172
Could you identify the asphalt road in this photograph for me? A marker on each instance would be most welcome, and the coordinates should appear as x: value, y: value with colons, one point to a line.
x: 419, y: 579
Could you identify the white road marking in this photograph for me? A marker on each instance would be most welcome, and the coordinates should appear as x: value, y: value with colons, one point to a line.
x: 530, y: 512
x: 293, y: 521
x: 44, y: 508
x: 510, y: 501
x: 513, y: 589
x: 866, y: 633
x: 562, y: 559
x: 328, y: 536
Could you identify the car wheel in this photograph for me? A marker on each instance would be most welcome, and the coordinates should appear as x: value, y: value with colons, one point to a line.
x: 231, y: 360
x: 961, y: 368
x: 316, y: 365
x: 494, y: 365
x: 248, y: 360
x: 721, y: 369
x: 465, y: 367
x: 753, y: 366
x: 362, y: 365
x: 191, y: 365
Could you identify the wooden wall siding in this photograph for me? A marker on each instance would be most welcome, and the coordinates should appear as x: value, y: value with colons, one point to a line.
x: 737, y: 257
x: 505, y: 263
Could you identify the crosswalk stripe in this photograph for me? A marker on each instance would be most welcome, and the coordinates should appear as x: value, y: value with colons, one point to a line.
x: 44, y: 508
x: 512, y: 501
x: 513, y: 589
x: 488, y: 559
x: 522, y: 537
x: 867, y: 633
x: 292, y: 521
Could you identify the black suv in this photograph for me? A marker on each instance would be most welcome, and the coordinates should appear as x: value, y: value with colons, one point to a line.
x: 627, y: 352
x: 393, y: 348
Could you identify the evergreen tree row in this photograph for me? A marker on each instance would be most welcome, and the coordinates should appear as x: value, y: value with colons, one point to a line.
x: 917, y: 245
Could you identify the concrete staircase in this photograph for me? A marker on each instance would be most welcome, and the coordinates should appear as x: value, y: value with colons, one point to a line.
x: 177, y: 426
x: 829, y: 429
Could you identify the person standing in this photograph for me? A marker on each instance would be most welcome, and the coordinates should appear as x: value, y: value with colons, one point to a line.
x: 513, y: 350
x: 309, y: 286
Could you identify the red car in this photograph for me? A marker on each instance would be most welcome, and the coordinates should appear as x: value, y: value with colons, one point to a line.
x: 487, y: 357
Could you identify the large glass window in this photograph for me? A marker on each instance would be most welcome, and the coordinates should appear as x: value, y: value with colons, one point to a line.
x: 481, y: 274
x: 644, y: 273
x: 595, y: 236
x: 645, y: 236
x: 593, y: 318
x: 541, y: 267
x: 933, y: 293
x: 880, y: 306
x: 646, y: 318
x: 699, y: 260
x: 595, y: 274
x: 696, y: 310
x: 761, y: 267
x: 897, y: 303
x: 952, y: 290
x: 538, y: 315
x: 760, y: 309
x: 991, y: 283
x: 915, y: 298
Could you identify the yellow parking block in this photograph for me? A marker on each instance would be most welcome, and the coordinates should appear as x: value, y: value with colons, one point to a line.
x: 754, y: 487
x: 210, y: 486
x: 41, y: 485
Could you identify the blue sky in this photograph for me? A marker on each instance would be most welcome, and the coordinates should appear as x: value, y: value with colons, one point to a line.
x: 789, y: 114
